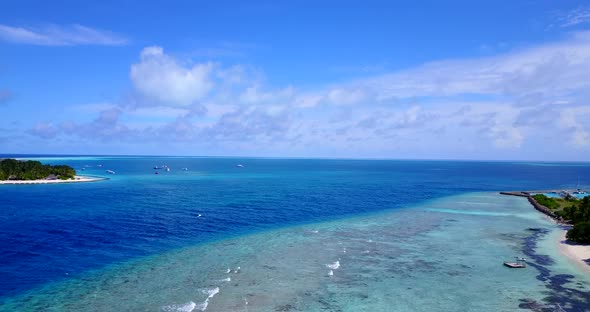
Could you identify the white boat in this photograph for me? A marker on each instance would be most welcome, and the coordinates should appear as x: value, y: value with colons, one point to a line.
x: 515, y: 265
x: 167, y: 168
x: 110, y: 172
x: 240, y: 166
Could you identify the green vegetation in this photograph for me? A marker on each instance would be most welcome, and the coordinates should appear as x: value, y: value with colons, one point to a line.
x: 580, y: 216
x: 557, y: 205
x: 548, y: 202
x: 12, y: 169
x: 577, y: 211
x: 580, y: 233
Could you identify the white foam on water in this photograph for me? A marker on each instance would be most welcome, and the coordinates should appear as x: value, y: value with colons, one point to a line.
x: 227, y: 279
x: 199, y: 215
x: 185, y: 307
x: 202, y: 306
x: 331, y: 273
x: 228, y: 271
x: 237, y: 270
x: 333, y: 266
x: 210, y: 292
x: 315, y: 231
x: 344, y: 250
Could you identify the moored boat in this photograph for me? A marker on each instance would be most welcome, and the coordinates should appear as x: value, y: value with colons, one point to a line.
x: 515, y: 265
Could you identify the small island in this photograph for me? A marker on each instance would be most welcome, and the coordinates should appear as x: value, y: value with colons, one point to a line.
x: 14, y: 171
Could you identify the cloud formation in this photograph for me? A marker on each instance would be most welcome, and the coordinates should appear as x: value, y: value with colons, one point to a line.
x: 462, y: 108
x: 161, y: 79
x: 580, y: 15
x: 44, y: 130
x: 56, y: 35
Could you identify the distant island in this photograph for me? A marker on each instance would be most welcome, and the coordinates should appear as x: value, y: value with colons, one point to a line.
x: 14, y: 171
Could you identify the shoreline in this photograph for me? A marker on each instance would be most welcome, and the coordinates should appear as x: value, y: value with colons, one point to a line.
x: 77, y: 179
x: 578, y: 254
x: 544, y: 210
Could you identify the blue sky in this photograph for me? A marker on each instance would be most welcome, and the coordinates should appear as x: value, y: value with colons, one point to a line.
x: 416, y: 79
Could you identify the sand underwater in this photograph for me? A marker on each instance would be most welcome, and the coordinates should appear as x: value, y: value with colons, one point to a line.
x: 441, y: 255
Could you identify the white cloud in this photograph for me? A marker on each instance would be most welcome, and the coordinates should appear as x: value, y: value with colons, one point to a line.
x: 549, y: 72
x: 307, y: 100
x: 371, y: 110
x: 159, y: 112
x: 580, y: 15
x: 569, y: 119
x: 253, y: 95
x: 159, y: 77
x: 55, y: 35
x: 345, y: 96
x: 490, y: 107
x: 44, y: 130
x: 506, y: 136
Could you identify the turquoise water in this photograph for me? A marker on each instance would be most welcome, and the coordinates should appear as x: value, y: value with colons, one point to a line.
x: 424, y: 258
x: 286, y: 235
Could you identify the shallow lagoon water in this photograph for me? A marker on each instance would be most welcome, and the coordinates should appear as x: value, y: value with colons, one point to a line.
x: 423, y: 258
x: 406, y: 238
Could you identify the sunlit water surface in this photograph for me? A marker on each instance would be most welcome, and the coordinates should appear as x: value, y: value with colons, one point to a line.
x: 286, y: 235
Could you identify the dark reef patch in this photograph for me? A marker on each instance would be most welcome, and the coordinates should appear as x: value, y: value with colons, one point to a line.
x: 561, y: 295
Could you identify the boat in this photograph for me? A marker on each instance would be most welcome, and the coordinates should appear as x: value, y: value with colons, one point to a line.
x: 240, y: 166
x: 110, y: 172
x: 168, y: 169
x: 515, y: 265
x: 519, y: 264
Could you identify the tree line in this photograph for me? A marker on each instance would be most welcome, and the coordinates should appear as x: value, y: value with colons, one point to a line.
x: 579, y: 214
x: 12, y: 169
x: 577, y: 211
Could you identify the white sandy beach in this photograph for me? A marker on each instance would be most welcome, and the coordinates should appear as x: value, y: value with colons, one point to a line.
x: 576, y: 253
x: 76, y: 180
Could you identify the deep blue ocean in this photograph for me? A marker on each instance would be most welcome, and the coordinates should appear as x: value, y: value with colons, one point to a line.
x: 50, y: 233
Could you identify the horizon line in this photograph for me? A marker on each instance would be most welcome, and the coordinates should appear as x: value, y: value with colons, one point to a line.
x: 24, y: 155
